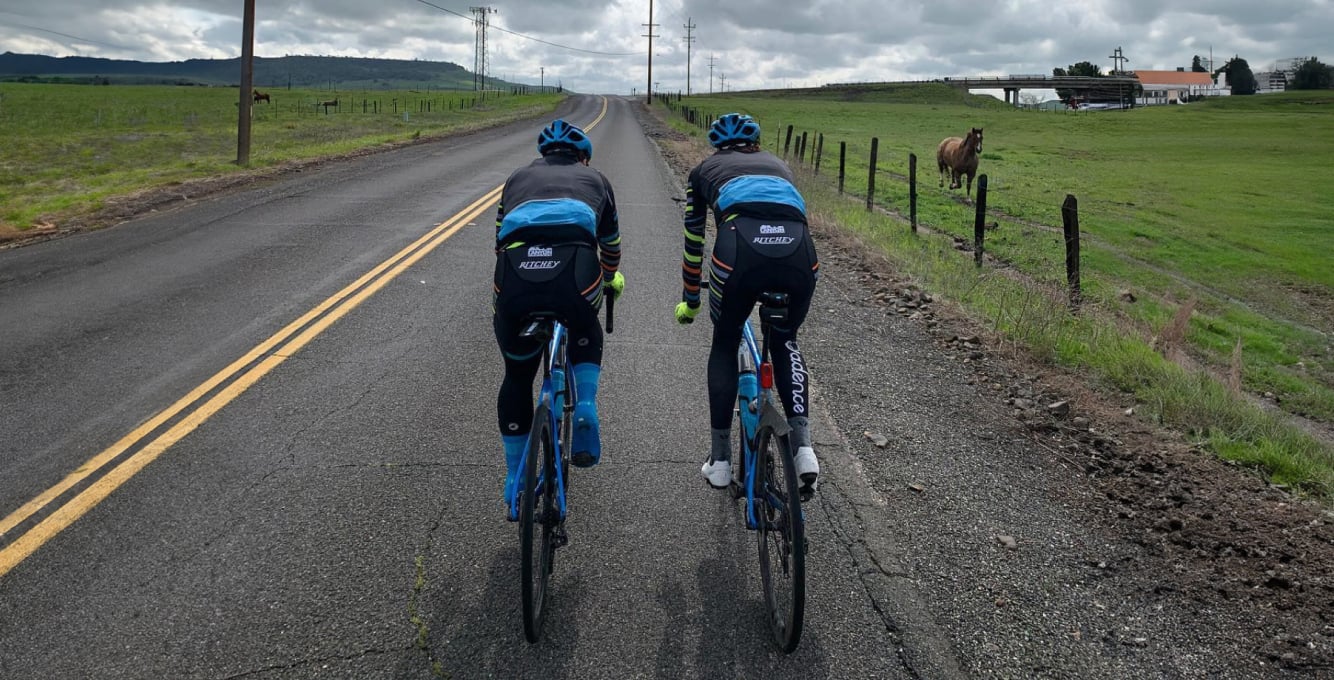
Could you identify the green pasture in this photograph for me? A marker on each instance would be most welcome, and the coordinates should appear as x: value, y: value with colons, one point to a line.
x: 67, y: 148
x: 1225, y: 202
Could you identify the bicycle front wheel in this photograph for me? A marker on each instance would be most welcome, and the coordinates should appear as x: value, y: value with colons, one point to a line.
x: 537, y: 521
x: 782, y: 538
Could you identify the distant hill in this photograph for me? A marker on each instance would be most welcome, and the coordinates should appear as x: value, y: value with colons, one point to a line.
x: 269, y: 72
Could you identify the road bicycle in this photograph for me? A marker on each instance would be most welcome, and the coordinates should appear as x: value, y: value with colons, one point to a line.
x: 538, y: 502
x: 767, y: 479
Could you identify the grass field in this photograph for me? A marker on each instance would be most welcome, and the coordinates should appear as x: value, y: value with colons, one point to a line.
x: 69, y: 147
x: 1225, y: 203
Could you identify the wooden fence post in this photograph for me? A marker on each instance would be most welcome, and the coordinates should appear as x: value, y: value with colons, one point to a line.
x: 842, y: 164
x: 912, y: 191
x: 980, y: 223
x: 819, y: 151
x: 801, y: 155
x: 787, y: 144
x: 1070, y: 220
x: 870, y: 176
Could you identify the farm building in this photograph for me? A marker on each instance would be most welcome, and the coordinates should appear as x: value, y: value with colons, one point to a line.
x: 1271, y: 81
x: 1176, y: 87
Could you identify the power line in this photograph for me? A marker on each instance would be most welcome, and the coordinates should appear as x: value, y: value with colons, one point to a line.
x: 66, y: 35
x: 529, y: 37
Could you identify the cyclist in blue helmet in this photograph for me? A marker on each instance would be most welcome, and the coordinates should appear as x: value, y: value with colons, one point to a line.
x: 558, y: 242
x: 762, y: 244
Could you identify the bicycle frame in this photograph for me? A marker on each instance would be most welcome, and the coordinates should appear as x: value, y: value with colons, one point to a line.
x: 560, y: 392
x: 754, y: 409
x: 557, y: 395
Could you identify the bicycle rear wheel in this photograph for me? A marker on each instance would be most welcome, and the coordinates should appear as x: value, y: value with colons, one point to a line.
x: 537, y: 521
x: 782, y: 538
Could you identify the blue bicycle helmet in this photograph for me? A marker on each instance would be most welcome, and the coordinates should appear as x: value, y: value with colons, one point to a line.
x: 731, y: 128
x: 562, y: 134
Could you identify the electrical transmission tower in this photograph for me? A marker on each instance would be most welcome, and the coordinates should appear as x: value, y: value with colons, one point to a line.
x: 711, y: 58
x: 1118, y: 57
x: 480, y: 65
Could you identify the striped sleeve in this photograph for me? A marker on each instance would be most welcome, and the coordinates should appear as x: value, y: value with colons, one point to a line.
x: 609, y: 235
x: 692, y: 256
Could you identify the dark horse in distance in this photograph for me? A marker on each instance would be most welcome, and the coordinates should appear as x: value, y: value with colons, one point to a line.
x: 261, y: 97
x: 959, y: 156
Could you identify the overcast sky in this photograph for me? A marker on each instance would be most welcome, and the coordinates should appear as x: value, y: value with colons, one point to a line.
x: 599, y: 45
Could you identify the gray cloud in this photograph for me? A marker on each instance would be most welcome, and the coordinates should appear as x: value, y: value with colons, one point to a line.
x: 754, y: 43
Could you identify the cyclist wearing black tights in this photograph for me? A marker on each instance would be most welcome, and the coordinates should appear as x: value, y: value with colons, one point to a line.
x: 558, y: 243
x: 762, y: 244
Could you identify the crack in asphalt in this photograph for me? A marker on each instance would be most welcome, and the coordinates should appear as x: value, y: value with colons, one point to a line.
x: 848, y: 542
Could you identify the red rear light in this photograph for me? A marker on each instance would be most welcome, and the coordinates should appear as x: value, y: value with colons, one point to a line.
x: 766, y: 375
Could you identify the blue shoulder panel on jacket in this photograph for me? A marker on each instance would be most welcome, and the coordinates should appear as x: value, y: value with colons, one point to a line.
x: 549, y: 212
x: 759, y: 189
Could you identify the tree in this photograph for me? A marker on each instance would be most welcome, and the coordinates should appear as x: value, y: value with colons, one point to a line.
x: 1083, y: 68
x: 1239, y: 76
x: 1313, y: 75
x: 1197, y: 65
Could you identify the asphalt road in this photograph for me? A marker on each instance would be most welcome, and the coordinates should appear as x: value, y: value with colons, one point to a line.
x: 199, y: 481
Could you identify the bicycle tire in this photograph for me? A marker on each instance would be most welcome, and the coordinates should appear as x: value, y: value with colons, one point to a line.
x: 782, y: 538
x: 535, y: 525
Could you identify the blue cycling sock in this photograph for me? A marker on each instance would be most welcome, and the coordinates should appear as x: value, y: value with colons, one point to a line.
x: 585, y: 442
x: 514, y: 445
x: 586, y: 381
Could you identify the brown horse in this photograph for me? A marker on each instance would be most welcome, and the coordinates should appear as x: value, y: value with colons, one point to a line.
x: 261, y: 97
x: 959, y: 157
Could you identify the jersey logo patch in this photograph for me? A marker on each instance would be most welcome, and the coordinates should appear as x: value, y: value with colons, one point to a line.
x: 539, y: 251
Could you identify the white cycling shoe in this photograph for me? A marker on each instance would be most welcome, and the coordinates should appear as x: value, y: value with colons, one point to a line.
x: 808, y: 471
x: 717, y: 473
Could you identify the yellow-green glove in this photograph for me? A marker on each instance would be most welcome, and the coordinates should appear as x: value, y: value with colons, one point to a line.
x: 616, y: 284
x: 685, y: 313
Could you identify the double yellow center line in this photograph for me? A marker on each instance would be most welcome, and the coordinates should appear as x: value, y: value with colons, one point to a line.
x: 237, y: 378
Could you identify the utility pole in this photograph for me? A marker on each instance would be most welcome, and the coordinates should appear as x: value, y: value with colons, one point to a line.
x: 722, y: 82
x: 479, y: 64
x: 543, y: 79
x: 689, y: 26
x: 710, y: 74
x: 648, y: 98
x: 247, y: 85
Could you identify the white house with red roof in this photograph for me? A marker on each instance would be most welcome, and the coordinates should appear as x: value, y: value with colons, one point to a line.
x: 1173, y: 87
